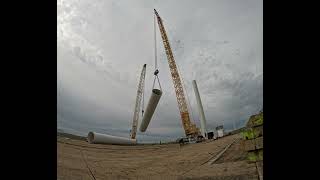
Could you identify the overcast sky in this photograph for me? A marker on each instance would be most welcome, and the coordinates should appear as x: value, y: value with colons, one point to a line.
x: 103, y: 44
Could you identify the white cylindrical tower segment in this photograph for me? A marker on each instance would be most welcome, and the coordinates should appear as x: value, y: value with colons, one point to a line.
x: 98, y: 138
x: 153, y: 102
x: 200, y: 108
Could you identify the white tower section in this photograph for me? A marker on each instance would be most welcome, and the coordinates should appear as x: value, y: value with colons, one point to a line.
x: 203, y: 123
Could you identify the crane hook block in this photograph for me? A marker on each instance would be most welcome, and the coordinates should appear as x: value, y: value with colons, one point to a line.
x: 156, y: 72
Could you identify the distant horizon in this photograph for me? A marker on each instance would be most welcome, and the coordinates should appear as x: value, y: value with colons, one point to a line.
x: 148, y: 138
x: 103, y: 45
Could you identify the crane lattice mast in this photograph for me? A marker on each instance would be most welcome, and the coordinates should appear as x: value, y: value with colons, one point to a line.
x: 140, y: 92
x: 189, y: 127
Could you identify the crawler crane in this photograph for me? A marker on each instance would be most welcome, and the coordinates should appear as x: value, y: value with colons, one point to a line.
x: 191, y: 131
x: 140, y: 93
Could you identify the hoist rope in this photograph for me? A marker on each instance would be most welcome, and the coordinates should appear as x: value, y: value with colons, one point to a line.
x: 156, y: 71
x: 155, y: 44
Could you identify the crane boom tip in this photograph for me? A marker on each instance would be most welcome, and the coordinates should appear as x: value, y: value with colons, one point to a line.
x: 155, y: 11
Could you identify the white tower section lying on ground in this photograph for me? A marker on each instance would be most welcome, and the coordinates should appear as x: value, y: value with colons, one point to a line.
x: 203, y: 123
x: 98, y: 138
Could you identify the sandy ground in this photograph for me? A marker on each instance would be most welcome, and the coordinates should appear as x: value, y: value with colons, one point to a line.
x: 80, y: 160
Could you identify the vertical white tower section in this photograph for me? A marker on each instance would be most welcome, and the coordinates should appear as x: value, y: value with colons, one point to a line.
x: 203, y: 123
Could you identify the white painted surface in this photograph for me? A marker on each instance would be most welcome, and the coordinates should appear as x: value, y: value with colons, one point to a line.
x: 220, y: 132
x: 203, y: 123
x: 153, y: 102
x: 98, y: 138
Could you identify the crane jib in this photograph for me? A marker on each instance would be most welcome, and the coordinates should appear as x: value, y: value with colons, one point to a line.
x: 140, y: 96
x: 189, y: 127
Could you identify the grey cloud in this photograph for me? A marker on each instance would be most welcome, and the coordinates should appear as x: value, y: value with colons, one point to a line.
x: 102, y: 46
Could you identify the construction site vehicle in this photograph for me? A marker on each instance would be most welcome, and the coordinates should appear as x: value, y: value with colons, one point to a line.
x: 191, y: 131
x: 200, y: 138
x: 140, y: 93
x: 210, y: 135
x: 220, y: 131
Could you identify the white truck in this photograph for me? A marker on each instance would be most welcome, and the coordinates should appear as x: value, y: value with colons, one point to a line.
x: 219, y: 130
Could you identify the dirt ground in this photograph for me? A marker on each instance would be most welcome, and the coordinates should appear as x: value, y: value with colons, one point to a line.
x: 78, y: 159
